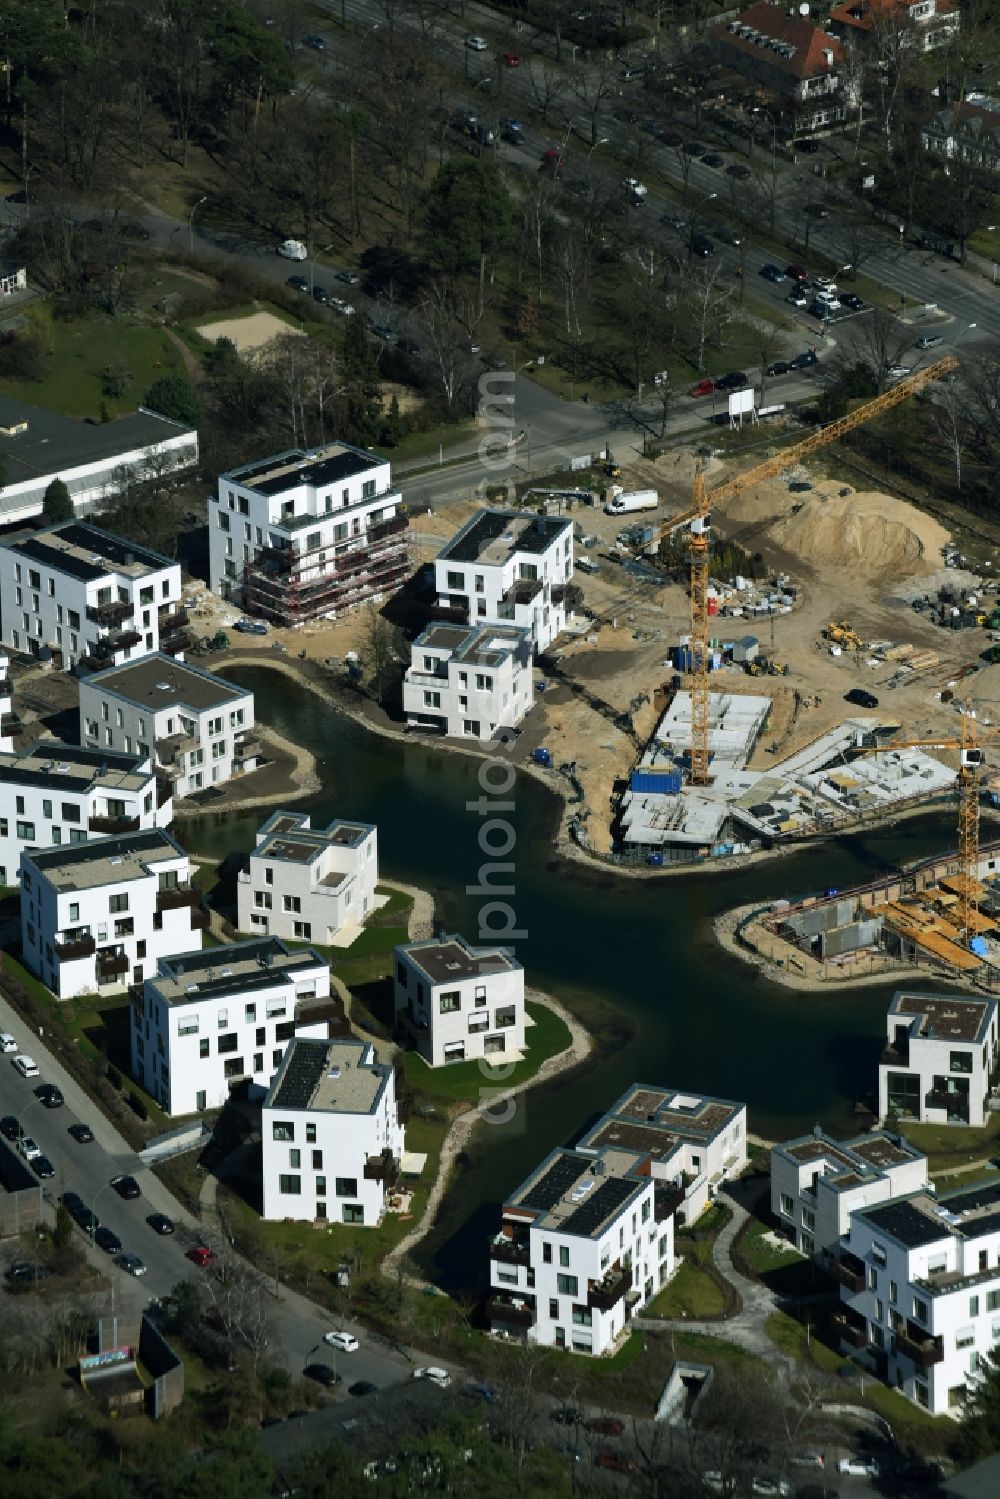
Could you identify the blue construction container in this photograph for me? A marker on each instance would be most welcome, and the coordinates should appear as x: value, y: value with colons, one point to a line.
x: 656, y: 860
x: 542, y: 757
x: 659, y: 782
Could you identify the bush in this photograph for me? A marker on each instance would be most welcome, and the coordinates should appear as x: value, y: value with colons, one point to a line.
x: 56, y: 503
x: 137, y: 1106
x: 175, y: 397
x: 22, y: 356
x: 114, y: 1078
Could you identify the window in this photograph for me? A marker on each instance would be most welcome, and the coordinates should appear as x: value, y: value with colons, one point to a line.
x: 310, y: 1134
x: 285, y: 1031
x: 275, y: 1007
x: 47, y: 809
x: 993, y: 1301
x: 456, y: 580
x: 295, y: 1159
x: 250, y: 1013
x: 563, y: 1256
x: 506, y: 1015
x: 125, y: 928
x: 546, y: 1254
x: 919, y: 1310
x: 494, y: 1044
x: 222, y: 1019
x: 317, y: 1160
x: 229, y: 1042
x: 200, y: 1099
x: 567, y: 1285
x: 484, y: 682
x: 291, y: 903
x: 282, y: 1129
x: 432, y: 699
x: 893, y: 1292
x: 960, y: 1061
x: 878, y: 1254
x: 872, y: 1278
x: 117, y: 903
x: 787, y: 1205
x: 262, y: 899
x: 973, y: 1306
x: 345, y: 1186
x: 353, y: 1213
x: 321, y: 1187
x: 26, y: 830
x: 479, y: 1023
x: 965, y: 1337
x: 74, y: 915
x: 258, y: 1061
x: 583, y: 1316
x: 450, y: 1001
x: 290, y: 1186
x: 188, y: 1027
x: 303, y: 930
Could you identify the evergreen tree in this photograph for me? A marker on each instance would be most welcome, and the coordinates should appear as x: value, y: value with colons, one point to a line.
x: 362, y: 392
x: 175, y: 397
x: 56, y: 503
x: 979, y: 1432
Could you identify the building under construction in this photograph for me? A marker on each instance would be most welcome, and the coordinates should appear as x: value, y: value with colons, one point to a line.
x: 307, y: 535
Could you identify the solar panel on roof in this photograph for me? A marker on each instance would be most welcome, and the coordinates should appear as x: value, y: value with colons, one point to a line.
x: 556, y: 1182
x: 305, y: 1066
x: 907, y: 1224
x: 976, y: 1197
x: 605, y: 1201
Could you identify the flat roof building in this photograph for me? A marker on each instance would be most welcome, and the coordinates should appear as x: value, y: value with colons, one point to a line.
x: 469, y: 682
x: 504, y: 567
x: 941, y: 1063
x: 458, y: 1003
x: 308, y: 884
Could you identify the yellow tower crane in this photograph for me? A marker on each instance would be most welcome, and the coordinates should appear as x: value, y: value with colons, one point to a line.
x: 699, y: 519
x: 969, y: 765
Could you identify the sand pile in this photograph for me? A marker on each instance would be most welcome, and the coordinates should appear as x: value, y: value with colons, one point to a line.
x: 250, y: 332
x: 867, y: 533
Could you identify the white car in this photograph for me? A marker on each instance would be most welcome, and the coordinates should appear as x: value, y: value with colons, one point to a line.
x: 807, y: 1460
x: 29, y: 1148
x: 25, y: 1065
x: 824, y: 283
x: 635, y: 187
x: 345, y: 1341
x: 477, y: 44
x: 898, y: 371
x: 339, y: 305
x: 7, y: 1042
x: 715, y: 1481
x: 434, y: 1374
x: 797, y: 298
x: 771, y: 1488
x: 859, y: 1467
x: 293, y: 249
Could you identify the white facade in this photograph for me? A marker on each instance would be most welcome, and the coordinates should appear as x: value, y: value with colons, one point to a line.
x: 12, y: 280
x: 197, y: 726
x: 305, y: 885
x: 307, y: 534
x: 52, y: 793
x: 469, y: 682
x: 332, y: 1139
x: 941, y: 1059
x: 38, y: 446
x: 459, y: 1003
x: 818, y: 1182
x: 920, y: 1292
x: 583, y: 1245
x: 921, y: 24
x: 220, y: 1019
x: 503, y: 567
x: 695, y: 1142
x: 102, y: 913
x: 8, y: 727
x: 89, y: 596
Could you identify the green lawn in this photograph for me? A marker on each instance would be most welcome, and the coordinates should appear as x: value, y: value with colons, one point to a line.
x: 706, y: 1350
x: 760, y: 1255
x: 792, y: 1338
x: 79, y: 348
x: 465, y: 1082
x: 947, y: 1145
x: 691, y: 1293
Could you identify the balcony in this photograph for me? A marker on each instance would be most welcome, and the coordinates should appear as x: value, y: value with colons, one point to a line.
x: 109, y: 615
x: 382, y: 1168
x: 125, y: 641
x: 169, y: 624
x: 170, y: 751
x: 174, y: 644
x: 895, y: 1056
x: 849, y: 1271
x: 111, y: 965
x: 509, y: 1251
x: 10, y: 725
x: 72, y: 945
x: 164, y: 791
x: 603, y: 1295
x: 956, y: 1105
x: 247, y: 749
x: 666, y: 1201
x: 175, y: 896
x: 112, y: 824
x: 848, y: 1328
x: 510, y: 1311
x: 918, y: 1346
x: 522, y: 592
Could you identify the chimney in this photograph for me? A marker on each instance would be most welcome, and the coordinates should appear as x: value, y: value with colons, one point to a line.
x: 828, y: 57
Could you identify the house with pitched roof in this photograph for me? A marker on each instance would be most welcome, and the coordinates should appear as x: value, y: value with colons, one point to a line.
x: 969, y: 132
x: 922, y: 24
x: 800, y: 68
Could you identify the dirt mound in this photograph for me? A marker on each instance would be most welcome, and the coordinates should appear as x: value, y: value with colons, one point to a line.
x: 868, y: 534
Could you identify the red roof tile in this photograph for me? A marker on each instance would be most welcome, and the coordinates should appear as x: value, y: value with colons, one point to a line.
x: 807, y: 42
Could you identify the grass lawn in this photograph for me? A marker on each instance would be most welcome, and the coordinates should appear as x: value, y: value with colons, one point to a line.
x: 80, y: 348
x: 986, y: 242
x: 691, y: 1293
x: 760, y: 1255
x: 705, y: 1350
x: 946, y: 1145
x: 911, y: 1426
x: 426, y: 444
x: 793, y: 1338
x: 464, y: 1081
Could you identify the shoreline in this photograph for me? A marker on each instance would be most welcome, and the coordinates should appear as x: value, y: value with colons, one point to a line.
x: 724, y: 933
x: 564, y: 844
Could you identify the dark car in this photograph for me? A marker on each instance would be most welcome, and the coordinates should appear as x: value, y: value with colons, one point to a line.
x: 322, y: 1374
x: 106, y: 1239
x: 671, y: 138
x: 407, y: 346
x: 779, y: 367
x: 608, y: 1426
x: 132, y: 229
x: 735, y: 380
x: 321, y: 295
x: 616, y: 1462
x: 702, y: 246
x: 484, y: 1392
x: 50, y: 1096
x: 809, y: 147
x: 803, y: 361
x: 362, y: 1387
x: 298, y: 283
x: 43, y: 1168
x: 10, y: 1128
x: 727, y: 236
x: 250, y: 627
x: 817, y: 210
x: 773, y: 273
x: 26, y: 1273
x: 816, y: 1491
x: 316, y: 43
x: 695, y: 148
x: 568, y: 1415
x: 713, y: 159
x: 796, y: 273
x: 79, y: 1211
x: 738, y: 170
x: 853, y: 301
x: 349, y: 278
x: 126, y: 1186
x: 861, y: 698
x: 82, y: 1133
x: 160, y: 1223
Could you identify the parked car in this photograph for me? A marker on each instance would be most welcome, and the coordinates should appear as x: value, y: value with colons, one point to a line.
x: 200, y: 1254
x: 616, y: 1462
x: 160, y: 1223
x: 132, y: 1264
x: 797, y: 298
x: 320, y: 295
x: 25, y: 1065
x: 105, y: 1238
x: 477, y: 44
x: 126, y: 1186
x: 608, y: 1426
x: 727, y: 236
x: 816, y: 1491
x: 345, y: 1341
x: 810, y: 147
x: 28, y: 1147
x: 568, y: 1415
x: 316, y: 43
x: 778, y: 367
x: 671, y: 138
x: 738, y: 170
x: 10, y: 1127
x: 7, y: 1042
x: 817, y: 210
x: 49, y: 1095
x: 702, y: 388
x: 339, y: 305
x: 298, y: 283
x: 828, y: 299
x: 713, y: 159
x: 714, y: 1480
x: 861, y: 699
x: 362, y: 1387
x: 511, y: 60
x: 824, y: 283
x: 322, y: 1374
x: 770, y: 1488
x: 796, y: 273
x: 803, y: 361
x: 899, y: 371
x: 82, y: 1133
x: 434, y: 1374
x: 695, y: 148
x: 552, y: 160
x: 853, y: 301
x: 859, y: 1467
x: 484, y: 1392
x: 773, y: 273
x: 702, y: 246
x: 250, y: 627
x: 26, y: 1272
x: 349, y: 278
x: 929, y: 340
x: 821, y: 310
x: 808, y: 1459
x: 735, y: 380
x: 43, y: 1168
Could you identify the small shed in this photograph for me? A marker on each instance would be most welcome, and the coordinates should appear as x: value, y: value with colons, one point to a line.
x: 747, y: 648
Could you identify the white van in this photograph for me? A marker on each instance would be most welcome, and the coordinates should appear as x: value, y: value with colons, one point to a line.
x: 26, y: 1066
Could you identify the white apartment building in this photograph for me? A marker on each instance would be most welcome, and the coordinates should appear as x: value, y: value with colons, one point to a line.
x: 308, y: 885
x: 920, y: 1292
x: 583, y: 1244
x: 469, y: 682
x: 89, y: 597
x: 209, y: 1022
x: 53, y: 793
x: 197, y: 727
x: 818, y: 1182
x: 694, y: 1142
x: 9, y: 725
x: 503, y: 567
x: 458, y: 1003
x: 307, y: 534
x: 940, y: 1062
x: 332, y: 1136
x: 103, y: 912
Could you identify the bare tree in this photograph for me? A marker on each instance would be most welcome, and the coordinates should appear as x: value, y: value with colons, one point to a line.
x: 450, y: 312
x: 548, y: 84
x: 711, y: 301
x: 241, y: 1299
x: 880, y: 344
x: 592, y: 85
x: 381, y: 652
